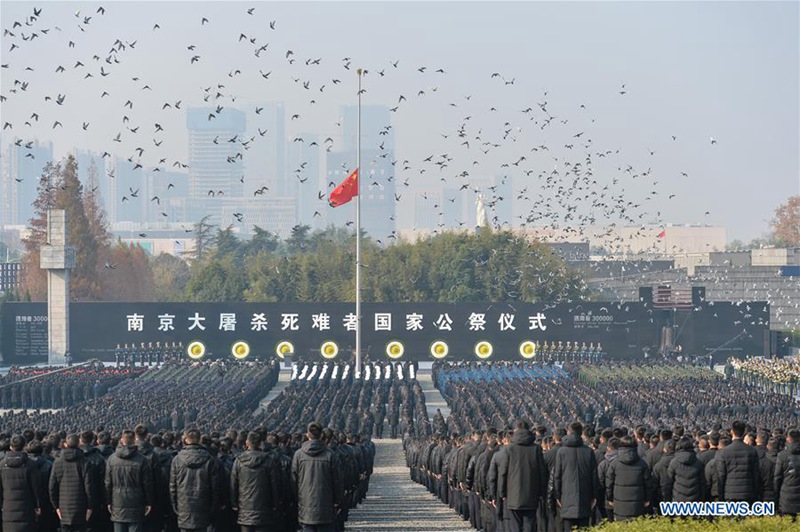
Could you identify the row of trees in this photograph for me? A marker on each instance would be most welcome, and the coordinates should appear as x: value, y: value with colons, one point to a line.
x: 307, y: 266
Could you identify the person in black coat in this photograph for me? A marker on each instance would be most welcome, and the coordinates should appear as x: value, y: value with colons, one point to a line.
x: 255, y: 485
x: 100, y: 519
x: 787, y: 476
x: 19, y: 497
x: 317, y: 483
x: 767, y: 466
x: 522, y: 481
x: 195, y: 484
x: 575, y: 479
x: 128, y: 486
x: 685, y: 479
x: 629, y: 484
x: 48, y: 520
x: 72, y: 490
x: 737, y: 469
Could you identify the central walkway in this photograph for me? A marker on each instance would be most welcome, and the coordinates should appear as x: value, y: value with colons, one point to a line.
x: 396, y: 503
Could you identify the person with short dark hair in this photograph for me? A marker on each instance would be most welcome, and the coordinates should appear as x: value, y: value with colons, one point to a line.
x: 787, y: 475
x: 685, y: 479
x: 629, y: 484
x: 738, y: 473
x: 128, y: 486
x: 575, y: 482
x: 72, y: 490
x: 255, y: 487
x: 195, y: 484
x: 317, y: 483
x: 522, y: 479
x: 19, y: 495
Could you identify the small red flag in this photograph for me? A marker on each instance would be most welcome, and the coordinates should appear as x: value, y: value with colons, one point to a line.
x: 662, y: 234
x: 347, y: 190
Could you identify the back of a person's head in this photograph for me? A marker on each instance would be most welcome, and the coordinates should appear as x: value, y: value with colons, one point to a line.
x: 314, y: 430
x: 684, y: 444
x: 103, y: 438
x: 127, y: 437
x: 253, y: 440
x: 559, y: 434
x: 627, y: 441
x: 157, y: 441
x: 87, y: 437
x: 576, y: 429
x: 794, y: 435
x: 614, y: 443
x: 34, y: 448
x: 17, y: 443
x: 665, y: 435
x: 738, y: 428
x: 678, y: 431
x: 521, y: 425
x: 140, y: 431
x: 714, y: 438
x: 72, y: 441
x: 669, y: 447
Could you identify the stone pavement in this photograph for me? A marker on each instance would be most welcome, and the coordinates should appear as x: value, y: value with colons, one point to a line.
x: 396, y: 503
x: 433, y: 399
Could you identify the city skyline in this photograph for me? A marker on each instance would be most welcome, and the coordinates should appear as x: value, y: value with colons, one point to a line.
x: 651, y: 125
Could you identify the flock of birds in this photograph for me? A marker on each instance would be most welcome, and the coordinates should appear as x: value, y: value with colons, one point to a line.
x: 571, y: 178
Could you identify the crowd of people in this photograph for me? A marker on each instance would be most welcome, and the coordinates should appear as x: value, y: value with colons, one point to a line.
x: 387, y: 395
x: 571, y: 352
x: 44, y: 388
x: 147, y: 354
x: 607, y: 444
x: 198, y: 458
x: 207, y: 395
x: 778, y: 375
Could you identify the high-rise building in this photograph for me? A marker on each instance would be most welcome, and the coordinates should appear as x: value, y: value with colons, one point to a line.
x: 129, y: 203
x: 454, y: 203
x: 167, y: 194
x: 303, y: 180
x: 428, y: 213
x: 377, y: 173
x: 216, y: 154
x: 92, y: 173
x: 23, y: 166
x: 265, y: 162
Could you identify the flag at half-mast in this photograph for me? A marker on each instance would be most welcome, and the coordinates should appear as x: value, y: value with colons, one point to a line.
x: 347, y: 190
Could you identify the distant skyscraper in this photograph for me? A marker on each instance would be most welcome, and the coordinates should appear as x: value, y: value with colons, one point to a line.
x: 377, y: 172
x: 454, y: 208
x: 215, y: 159
x: 23, y: 167
x: 265, y: 162
x: 428, y: 209
x: 172, y: 190
x: 303, y: 180
x: 129, y: 200
x: 97, y: 177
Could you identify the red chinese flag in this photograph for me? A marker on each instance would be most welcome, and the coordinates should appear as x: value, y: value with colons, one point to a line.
x: 347, y: 190
x: 662, y: 234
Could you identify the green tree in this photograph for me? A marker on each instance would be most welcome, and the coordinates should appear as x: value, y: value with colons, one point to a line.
x: 170, y: 277
x: 217, y: 279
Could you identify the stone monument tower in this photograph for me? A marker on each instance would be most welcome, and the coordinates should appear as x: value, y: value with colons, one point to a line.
x: 57, y: 258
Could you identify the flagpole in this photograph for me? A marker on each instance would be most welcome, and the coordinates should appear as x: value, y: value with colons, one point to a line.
x: 358, y: 233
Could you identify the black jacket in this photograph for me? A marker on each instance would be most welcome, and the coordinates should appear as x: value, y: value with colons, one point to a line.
x: 128, y: 485
x: 522, y: 481
x: 629, y: 484
x: 767, y: 466
x: 195, y: 486
x: 787, y: 479
x: 255, y: 485
x: 97, y: 467
x: 738, y: 472
x: 71, y: 486
x: 660, y: 475
x: 685, y: 479
x: 18, y: 494
x: 317, y: 483
x: 575, y: 483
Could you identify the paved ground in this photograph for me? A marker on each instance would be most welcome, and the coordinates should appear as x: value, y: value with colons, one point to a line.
x: 433, y: 399
x: 396, y: 503
x: 284, y: 378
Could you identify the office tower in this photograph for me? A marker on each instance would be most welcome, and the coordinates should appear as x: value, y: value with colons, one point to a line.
x: 428, y: 213
x: 265, y: 162
x: 23, y: 168
x: 216, y: 158
x: 454, y: 203
x: 129, y: 200
x: 303, y: 181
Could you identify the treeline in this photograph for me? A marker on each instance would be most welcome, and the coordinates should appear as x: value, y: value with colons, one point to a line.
x: 319, y: 266
x: 307, y: 266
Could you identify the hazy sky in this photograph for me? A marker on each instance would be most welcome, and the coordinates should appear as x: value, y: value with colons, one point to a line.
x: 692, y: 70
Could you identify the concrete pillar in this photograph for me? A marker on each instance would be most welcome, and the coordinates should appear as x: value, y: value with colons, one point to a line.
x: 57, y: 258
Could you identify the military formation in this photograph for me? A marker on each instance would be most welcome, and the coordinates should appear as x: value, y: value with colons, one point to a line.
x: 147, y: 354
x: 577, y: 466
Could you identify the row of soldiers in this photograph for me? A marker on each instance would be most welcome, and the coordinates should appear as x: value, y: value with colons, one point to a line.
x: 522, y: 480
x: 59, y: 389
x: 147, y: 354
x: 164, y: 482
x: 560, y: 353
